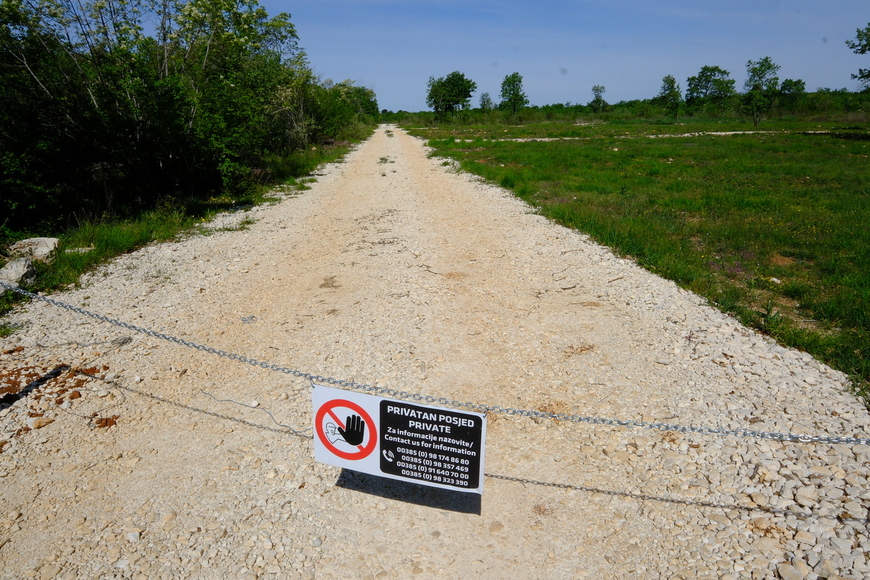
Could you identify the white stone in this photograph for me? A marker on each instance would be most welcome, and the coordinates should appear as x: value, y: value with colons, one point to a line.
x: 18, y: 272
x: 38, y: 249
x: 789, y: 572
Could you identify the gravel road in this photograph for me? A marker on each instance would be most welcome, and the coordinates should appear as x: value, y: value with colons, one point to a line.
x: 122, y: 459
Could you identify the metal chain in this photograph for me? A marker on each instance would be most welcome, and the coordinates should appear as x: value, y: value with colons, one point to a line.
x: 445, y: 402
x: 257, y: 408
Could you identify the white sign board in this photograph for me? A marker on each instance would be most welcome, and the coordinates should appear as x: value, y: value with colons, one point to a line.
x: 399, y: 440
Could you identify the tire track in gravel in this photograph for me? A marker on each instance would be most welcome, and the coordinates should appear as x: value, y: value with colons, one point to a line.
x: 398, y: 271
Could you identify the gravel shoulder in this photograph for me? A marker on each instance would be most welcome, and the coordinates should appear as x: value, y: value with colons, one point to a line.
x: 397, y: 270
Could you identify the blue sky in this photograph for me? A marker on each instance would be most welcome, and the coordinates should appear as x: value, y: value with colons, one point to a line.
x: 562, y: 48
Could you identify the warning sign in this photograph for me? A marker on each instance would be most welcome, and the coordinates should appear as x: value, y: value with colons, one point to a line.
x: 351, y: 438
x: 427, y: 445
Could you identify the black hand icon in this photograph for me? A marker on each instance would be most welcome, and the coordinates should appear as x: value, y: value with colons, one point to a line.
x: 355, y: 430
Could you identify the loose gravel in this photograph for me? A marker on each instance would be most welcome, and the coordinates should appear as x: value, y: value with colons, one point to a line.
x: 397, y: 270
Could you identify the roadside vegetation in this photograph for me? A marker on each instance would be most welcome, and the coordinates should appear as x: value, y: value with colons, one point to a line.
x: 842, y: 105
x: 712, y: 93
x: 126, y: 121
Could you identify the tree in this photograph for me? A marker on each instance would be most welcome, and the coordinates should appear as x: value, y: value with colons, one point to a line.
x: 711, y: 85
x: 486, y: 103
x: 97, y: 118
x: 449, y: 94
x: 512, y: 96
x: 761, y: 86
x: 598, y: 104
x: 336, y: 105
x: 792, y: 93
x: 670, y: 97
x: 861, y: 45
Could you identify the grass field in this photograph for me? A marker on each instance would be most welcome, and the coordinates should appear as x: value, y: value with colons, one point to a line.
x: 771, y: 226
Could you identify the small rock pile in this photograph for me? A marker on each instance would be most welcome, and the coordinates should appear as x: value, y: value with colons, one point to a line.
x: 20, y: 270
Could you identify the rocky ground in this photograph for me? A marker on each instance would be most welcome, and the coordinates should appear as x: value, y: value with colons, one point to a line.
x: 121, y: 456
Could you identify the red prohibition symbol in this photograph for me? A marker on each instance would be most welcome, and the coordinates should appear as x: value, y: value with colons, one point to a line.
x: 327, y: 409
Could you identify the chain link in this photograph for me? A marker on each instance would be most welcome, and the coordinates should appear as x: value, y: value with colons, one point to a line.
x: 445, y: 402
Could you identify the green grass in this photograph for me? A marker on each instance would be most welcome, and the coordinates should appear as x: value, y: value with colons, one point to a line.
x: 6, y: 329
x: 771, y: 227
x: 591, y: 128
x: 110, y: 238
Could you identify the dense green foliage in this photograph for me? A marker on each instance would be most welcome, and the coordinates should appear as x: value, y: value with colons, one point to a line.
x: 770, y: 226
x: 761, y: 86
x: 709, y: 94
x: 99, y: 119
x: 821, y: 105
x: 670, y: 97
x: 861, y: 45
x: 450, y: 94
x: 711, y: 87
x: 512, y: 96
x: 598, y: 104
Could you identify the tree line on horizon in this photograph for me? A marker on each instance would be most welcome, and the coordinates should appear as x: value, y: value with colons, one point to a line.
x: 111, y: 107
x: 712, y: 92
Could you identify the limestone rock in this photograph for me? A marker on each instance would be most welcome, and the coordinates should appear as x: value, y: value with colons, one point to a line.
x: 84, y: 250
x: 17, y: 272
x: 38, y: 249
x: 39, y: 422
x: 789, y: 572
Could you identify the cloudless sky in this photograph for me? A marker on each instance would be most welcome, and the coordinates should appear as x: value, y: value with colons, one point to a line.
x: 563, y: 47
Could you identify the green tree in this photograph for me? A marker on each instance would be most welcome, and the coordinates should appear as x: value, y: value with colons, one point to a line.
x: 98, y: 118
x: 711, y: 85
x: 761, y: 88
x: 486, y: 104
x: 293, y: 105
x: 335, y: 106
x: 449, y: 94
x: 861, y: 45
x: 670, y: 97
x: 598, y: 104
x: 792, y: 94
x: 512, y: 96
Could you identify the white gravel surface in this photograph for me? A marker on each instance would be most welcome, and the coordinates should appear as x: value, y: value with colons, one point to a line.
x: 396, y: 270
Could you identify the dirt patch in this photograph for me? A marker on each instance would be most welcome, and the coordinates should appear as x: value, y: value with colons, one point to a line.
x: 105, y: 422
x: 780, y: 260
x: 580, y: 349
